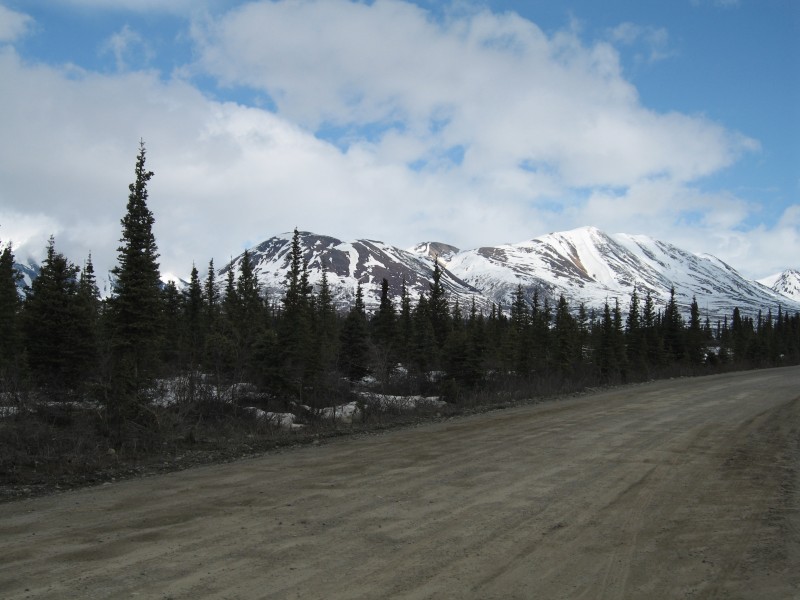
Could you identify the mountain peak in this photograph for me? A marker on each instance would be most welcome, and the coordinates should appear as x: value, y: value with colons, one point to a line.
x: 439, y: 250
x: 786, y: 283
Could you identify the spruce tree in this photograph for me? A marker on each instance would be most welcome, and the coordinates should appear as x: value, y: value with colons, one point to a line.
x: 673, y: 330
x: 54, y: 326
x: 695, y: 340
x: 325, y: 331
x: 653, y: 340
x: 519, y: 339
x: 619, y: 341
x: 211, y: 296
x: 89, y: 307
x: 424, y: 351
x: 406, y: 325
x: 136, y: 299
x: 194, y: 318
x: 9, y: 314
x: 566, y: 335
x: 354, y: 357
x: 294, y: 333
x: 634, y: 334
x: 606, y: 354
x: 384, y: 321
x: 173, y: 343
x: 438, y: 309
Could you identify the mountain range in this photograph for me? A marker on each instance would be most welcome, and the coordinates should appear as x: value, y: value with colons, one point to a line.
x: 586, y: 265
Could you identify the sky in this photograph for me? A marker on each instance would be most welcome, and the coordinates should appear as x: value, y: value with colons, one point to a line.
x: 473, y: 123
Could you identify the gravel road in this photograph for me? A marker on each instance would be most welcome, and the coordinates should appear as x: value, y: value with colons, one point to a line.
x: 687, y: 488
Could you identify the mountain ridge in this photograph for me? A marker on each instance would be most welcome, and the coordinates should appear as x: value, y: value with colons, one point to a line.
x: 586, y: 265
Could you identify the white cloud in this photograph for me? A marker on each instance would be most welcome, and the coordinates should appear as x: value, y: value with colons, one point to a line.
x: 179, y: 7
x: 128, y: 46
x: 494, y: 84
x: 13, y: 25
x: 655, y: 40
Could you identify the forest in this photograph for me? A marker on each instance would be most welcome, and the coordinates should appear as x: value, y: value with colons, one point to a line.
x: 64, y: 348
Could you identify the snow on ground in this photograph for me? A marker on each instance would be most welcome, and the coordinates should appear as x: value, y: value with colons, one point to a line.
x: 344, y: 413
x: 279, y: 420
x: 388, y: 402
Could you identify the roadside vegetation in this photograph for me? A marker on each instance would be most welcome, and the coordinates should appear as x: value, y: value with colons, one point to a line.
x: 153, y: 378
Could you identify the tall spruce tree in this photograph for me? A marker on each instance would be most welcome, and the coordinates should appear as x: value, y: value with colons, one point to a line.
x: 136, y: 299
x: 294, y: 332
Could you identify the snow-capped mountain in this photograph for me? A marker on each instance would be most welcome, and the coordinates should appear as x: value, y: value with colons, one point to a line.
x: 786, y: 283
x: 590, y: 266
x: 585, y: 265
x: 29, y: 272
x: 347, y: 264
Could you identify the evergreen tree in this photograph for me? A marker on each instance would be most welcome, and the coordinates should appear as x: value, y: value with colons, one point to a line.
x: 618, y: 341
x: 230, y: 301
x: 9, y: 314
x: 211, y: 295
x: 566, y: 334
x: 54, y: 325
x: 652, y: 337
x: 583, y: 334
x: 294, y: 334
x: 541, y: 317
x: 695, y: 340
x: 354, y: 357
x: 136, y: 300
x: 384, y: 322
x: 325, y: 334
x: 221, y: 343
x: 673, y: 330
x: 406, y: 324
x: 606, y: 355
x: 438, y: 310
x: 636, y: 345
x: 173, y: 341
x: 89, y: 308
x: 473, y: 368
x: 194, y: 319
x: 424, y: 352
x: 518, y: 341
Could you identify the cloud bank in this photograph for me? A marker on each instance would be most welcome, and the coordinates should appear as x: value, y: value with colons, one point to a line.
x: 373, y: 120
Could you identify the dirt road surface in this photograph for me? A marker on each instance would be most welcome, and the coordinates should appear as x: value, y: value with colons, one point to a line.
x: 677, y: 489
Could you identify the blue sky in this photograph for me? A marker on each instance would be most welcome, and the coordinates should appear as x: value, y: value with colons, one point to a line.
x: 471, y: 123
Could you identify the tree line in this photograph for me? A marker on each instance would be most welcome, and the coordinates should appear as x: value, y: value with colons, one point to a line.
x: 65, y: 341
